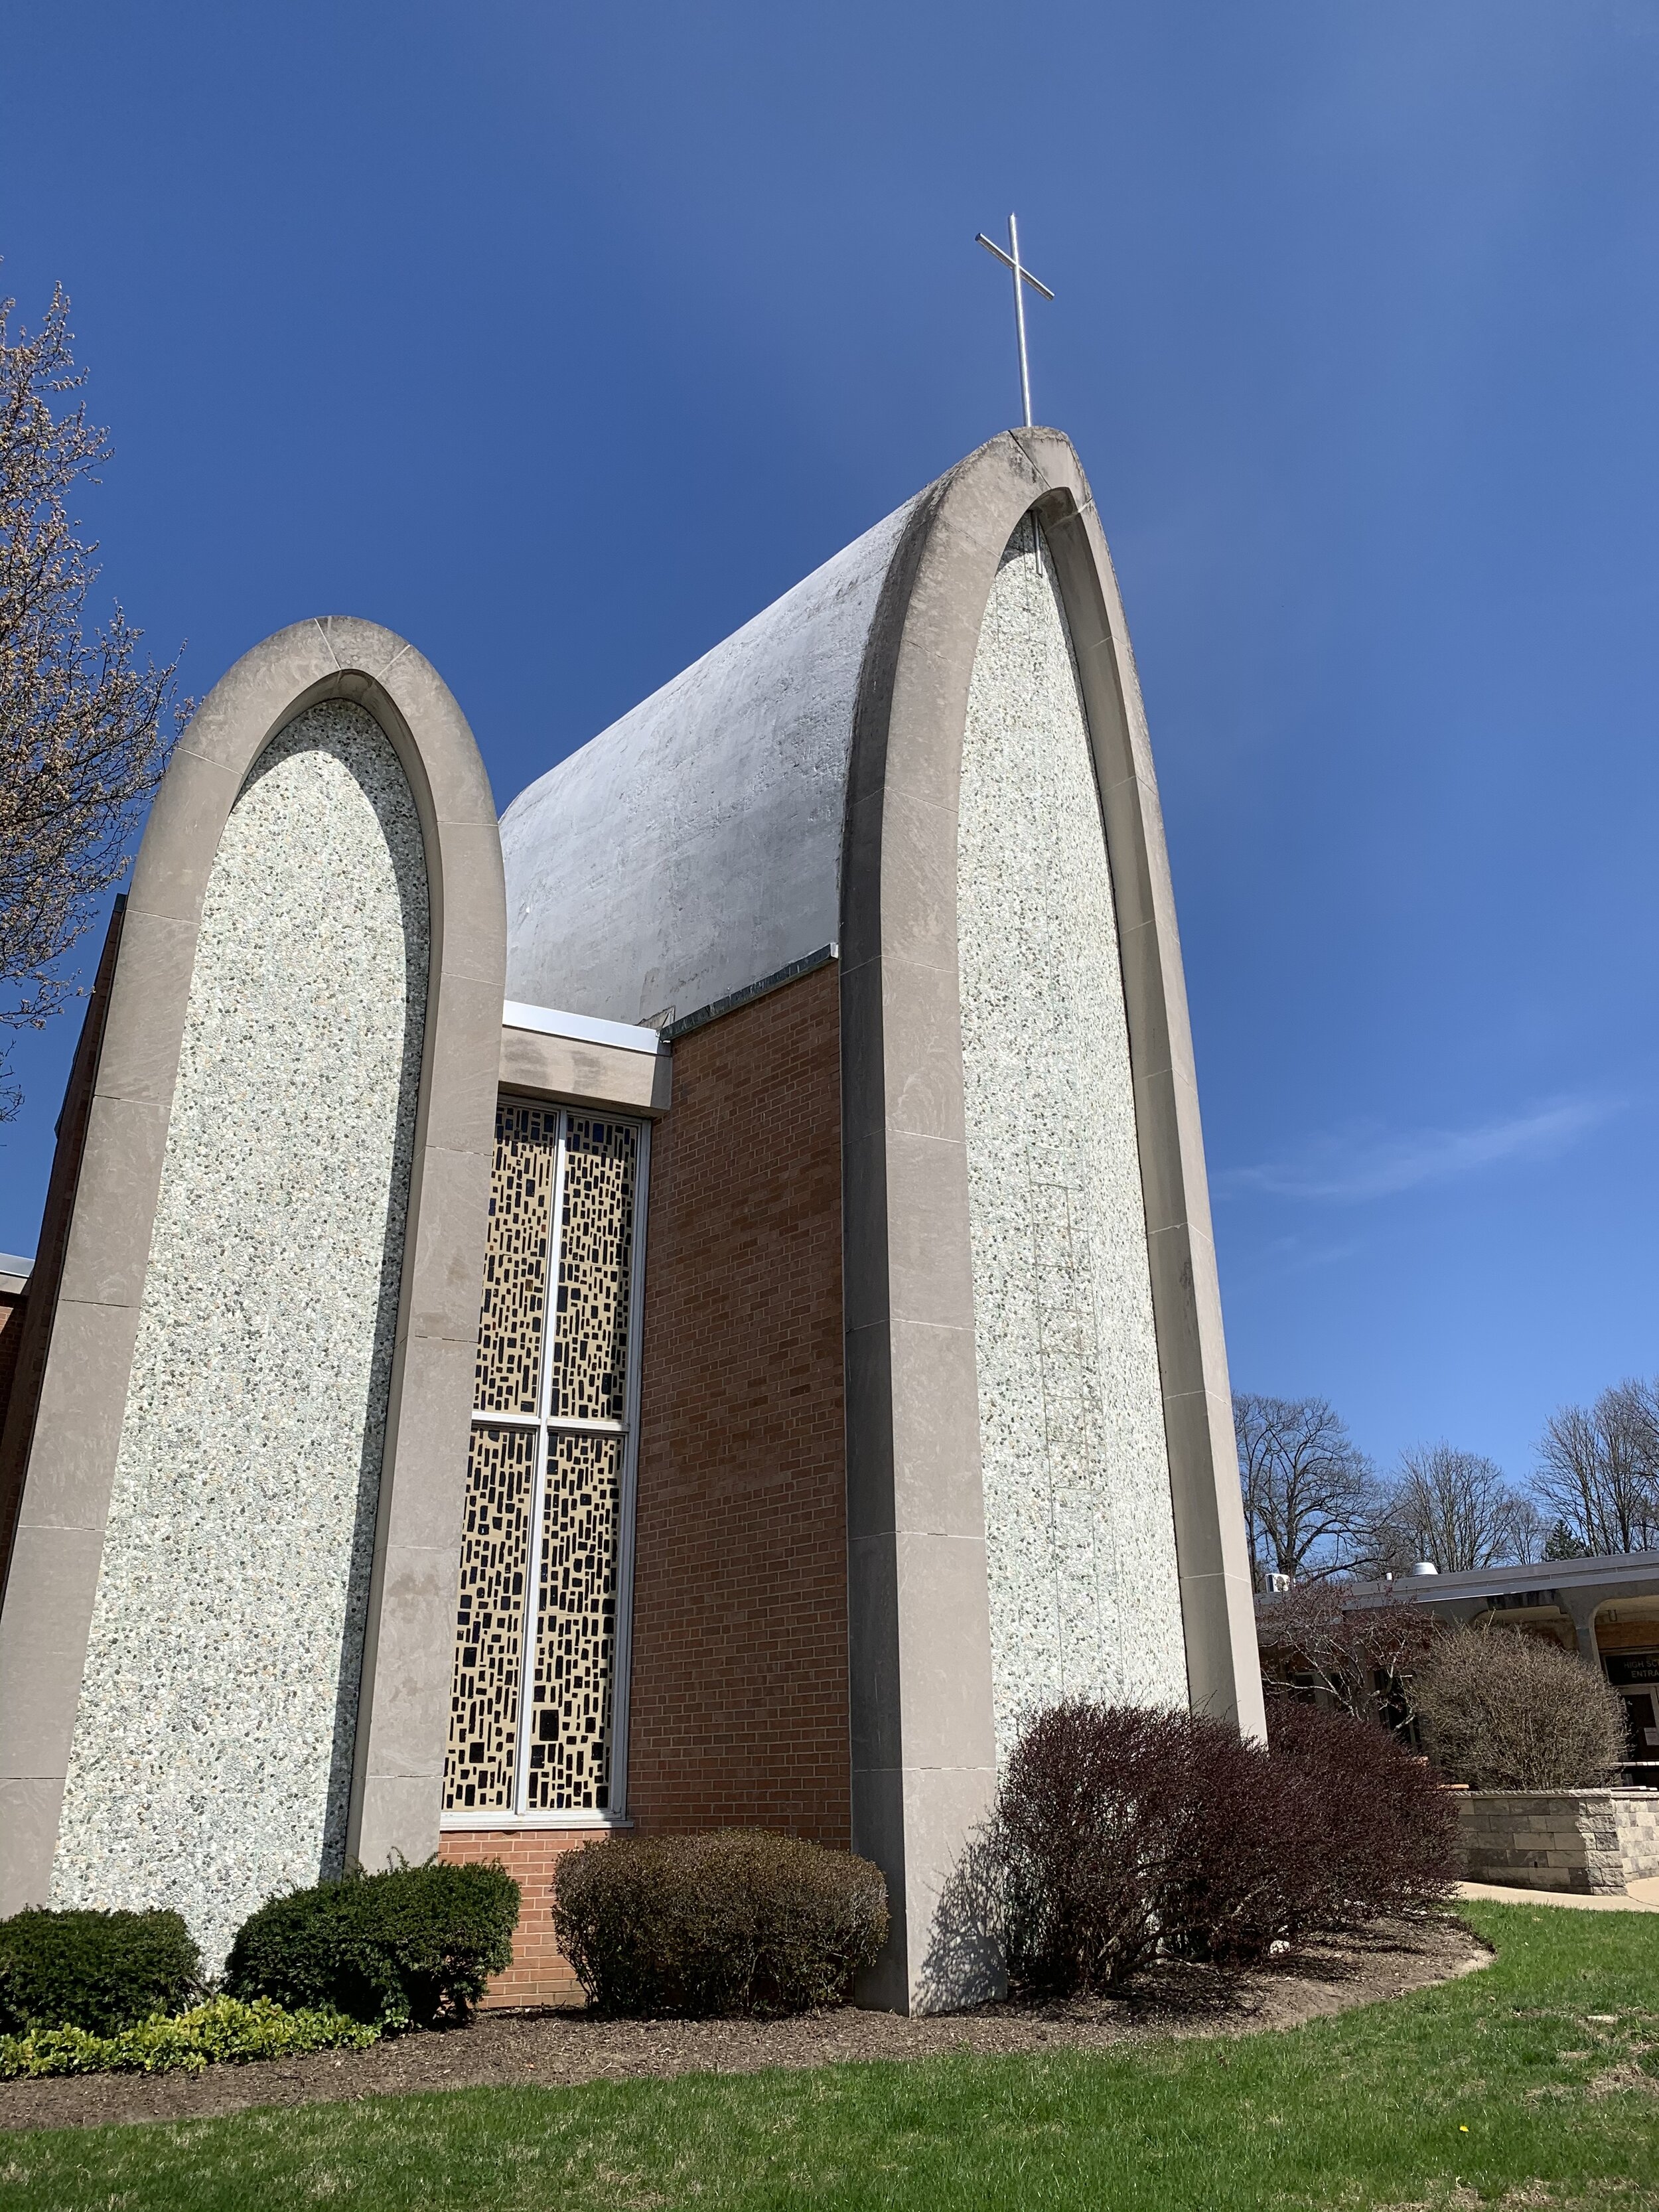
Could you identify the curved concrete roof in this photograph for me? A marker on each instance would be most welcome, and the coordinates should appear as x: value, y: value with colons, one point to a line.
x: 694, y: 847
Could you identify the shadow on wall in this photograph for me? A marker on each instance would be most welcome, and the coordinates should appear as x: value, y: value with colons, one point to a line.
x: 964, y: 1961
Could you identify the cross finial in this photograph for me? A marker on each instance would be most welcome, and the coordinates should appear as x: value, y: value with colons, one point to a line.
x: 1022, y: 276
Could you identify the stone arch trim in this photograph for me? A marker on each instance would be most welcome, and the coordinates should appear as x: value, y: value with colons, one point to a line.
x: 58, y: 1549
x: 923, y: 1752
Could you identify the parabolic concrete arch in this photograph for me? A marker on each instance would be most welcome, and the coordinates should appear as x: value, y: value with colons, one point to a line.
x: 885, y: 868
x: 923, y: 1590
x: 225, y: 1646
x: 929, y: 762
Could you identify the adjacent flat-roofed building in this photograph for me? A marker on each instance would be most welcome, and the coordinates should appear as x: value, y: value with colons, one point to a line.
x: 691, y: 1306
x: 1604, y: 1607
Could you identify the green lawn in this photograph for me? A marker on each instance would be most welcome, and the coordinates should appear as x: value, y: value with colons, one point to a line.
x: 1366, y: 2110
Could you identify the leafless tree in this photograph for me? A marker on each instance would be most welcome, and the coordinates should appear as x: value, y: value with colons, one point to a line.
x: 1364, y: 1658
x: 1598, y: 1471
x: 81, y: 736
x: 1456, y: 1509
x: 1308, y: 1490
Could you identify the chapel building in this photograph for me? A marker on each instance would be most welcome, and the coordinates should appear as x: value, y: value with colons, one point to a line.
x: 692, y: 1305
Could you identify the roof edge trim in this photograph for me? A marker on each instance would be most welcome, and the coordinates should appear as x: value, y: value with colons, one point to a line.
x: 580, y: 1029
x: 808, y: 962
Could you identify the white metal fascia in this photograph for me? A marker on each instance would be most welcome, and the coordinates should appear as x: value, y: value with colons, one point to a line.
x: 580, y: 1029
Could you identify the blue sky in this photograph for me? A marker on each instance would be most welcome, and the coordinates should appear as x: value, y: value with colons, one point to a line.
x: 562, y: 341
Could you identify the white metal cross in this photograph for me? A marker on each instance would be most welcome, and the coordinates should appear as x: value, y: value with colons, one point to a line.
x: 1022, y: 276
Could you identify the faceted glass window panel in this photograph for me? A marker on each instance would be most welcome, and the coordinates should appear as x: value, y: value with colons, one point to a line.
x: 514, y: 1316
x: 596, y: 1255
x: 483, y: 1706
x: 573, y: 1694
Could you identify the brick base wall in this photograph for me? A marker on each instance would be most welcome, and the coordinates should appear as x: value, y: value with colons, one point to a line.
x: 740, y: 1687
x: 540, y: 1973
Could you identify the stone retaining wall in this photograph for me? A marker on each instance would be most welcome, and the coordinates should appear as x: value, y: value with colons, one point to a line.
x: 1595, y: 1842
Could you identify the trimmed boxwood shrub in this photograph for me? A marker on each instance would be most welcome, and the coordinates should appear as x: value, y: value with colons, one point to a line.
x: 736, y: 1921
x: 98, y: 1971
x: 413, y: 1947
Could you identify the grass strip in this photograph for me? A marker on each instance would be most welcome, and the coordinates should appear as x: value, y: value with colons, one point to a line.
x: 1531, y: 2080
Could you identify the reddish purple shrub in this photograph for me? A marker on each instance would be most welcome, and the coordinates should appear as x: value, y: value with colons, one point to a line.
x: 1093, y: 1833
x: 1259, y: 1862
x: 1119, y: 1832
x: 1391, y: 1830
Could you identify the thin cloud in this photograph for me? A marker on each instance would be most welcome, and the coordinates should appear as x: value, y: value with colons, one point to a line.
x: 1282, y: 1258
x: 1294, y: 1256
x: 1368, y: 1162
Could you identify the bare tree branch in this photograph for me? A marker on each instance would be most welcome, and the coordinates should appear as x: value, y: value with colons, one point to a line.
x: 81, y: 743
x: 1362, y: 1657
x: 1598, y: 1472
x: 1456, y: 1509
x: 1308, y: 1490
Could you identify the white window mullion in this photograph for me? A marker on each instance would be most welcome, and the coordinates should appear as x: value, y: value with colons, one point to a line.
x: 621, y: 1648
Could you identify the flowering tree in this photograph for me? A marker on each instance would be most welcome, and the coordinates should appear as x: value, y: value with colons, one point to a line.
x: 81, y: 736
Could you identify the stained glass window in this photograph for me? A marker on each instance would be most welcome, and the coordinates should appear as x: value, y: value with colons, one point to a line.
x: 570, y: 1701
x: 590, y: 1349
x: 514, y: 1308
x: 484, y: 1711
x: 532, y: 1715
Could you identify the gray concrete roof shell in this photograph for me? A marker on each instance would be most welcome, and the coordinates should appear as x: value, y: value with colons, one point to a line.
x: 694, y: 846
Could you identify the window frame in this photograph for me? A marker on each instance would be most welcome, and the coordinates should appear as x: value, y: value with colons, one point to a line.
x: 547, y: 1426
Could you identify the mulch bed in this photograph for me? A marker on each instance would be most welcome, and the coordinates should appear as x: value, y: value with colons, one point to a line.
x: 556, y: 2050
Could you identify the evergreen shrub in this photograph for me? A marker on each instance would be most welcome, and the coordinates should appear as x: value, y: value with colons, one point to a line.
x: 738, y: 1920
x: 1503, y: 1710
x: 222, y: 2032
x: 96, y: 1972
x: 413, y: 1947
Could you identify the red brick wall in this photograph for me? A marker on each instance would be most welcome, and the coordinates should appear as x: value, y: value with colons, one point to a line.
x: 540, y: 1974
x: 1627, y: 1635
x: 739, y: 1692
x: 31, y: 1329
x: 13, y: 1306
